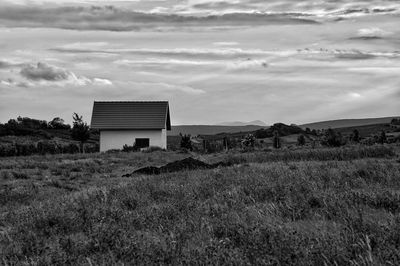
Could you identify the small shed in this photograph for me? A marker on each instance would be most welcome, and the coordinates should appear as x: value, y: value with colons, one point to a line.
x: 143, y: 123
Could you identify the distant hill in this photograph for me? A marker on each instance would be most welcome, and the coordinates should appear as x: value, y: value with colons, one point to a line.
x: 210, y: 129
x: 238, y: 123
x: 365, y: 130
x: 342, y: 123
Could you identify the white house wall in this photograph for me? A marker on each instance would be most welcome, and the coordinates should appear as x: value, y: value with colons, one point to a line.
x: 116, y: 139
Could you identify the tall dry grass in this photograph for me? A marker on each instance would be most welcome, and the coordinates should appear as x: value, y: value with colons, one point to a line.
x: 308, y: 154
x: 310, y: 207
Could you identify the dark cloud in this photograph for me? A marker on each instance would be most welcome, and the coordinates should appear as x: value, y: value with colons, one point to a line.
x: 44, y: 71
x: 367, y: 38
x: 110, y: 18
x: 222, y: 5
x: 337, y: 8
x: 236, y: 53
x: 198, y: 53
x: 355, y: 56
x: 6, y: 64
x: 42, y: 74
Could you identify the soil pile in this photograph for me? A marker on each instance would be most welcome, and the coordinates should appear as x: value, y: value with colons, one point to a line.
x: 176, y: 166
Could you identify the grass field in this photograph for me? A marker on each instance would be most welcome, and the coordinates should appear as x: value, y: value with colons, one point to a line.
x: 330, y: 206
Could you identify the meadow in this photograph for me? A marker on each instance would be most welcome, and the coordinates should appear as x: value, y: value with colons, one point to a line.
x: 324, y: 206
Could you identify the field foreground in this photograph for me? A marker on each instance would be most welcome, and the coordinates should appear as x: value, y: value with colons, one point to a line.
x: 306, y: 207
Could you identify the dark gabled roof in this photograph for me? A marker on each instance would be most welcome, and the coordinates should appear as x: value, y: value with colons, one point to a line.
x: 131, y: 115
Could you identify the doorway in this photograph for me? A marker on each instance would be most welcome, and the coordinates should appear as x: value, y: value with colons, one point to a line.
x: 142, y: 143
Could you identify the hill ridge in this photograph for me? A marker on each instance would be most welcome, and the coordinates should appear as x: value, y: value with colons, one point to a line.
x: 348, y: 122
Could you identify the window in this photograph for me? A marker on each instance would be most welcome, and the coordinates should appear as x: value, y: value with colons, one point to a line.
x: 142, y: 143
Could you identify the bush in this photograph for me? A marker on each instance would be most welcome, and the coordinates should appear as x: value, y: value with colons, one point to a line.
x: 20, y: 175
x: 248, y: 141
x: 7, y: 150
x: 48, y: 147
x: 276, y: 140
x: 382, y: 137
x: 355, y: 137
x: 25, y: 149
x: 333, y: 139
x: 91, y: 148
x: 395, y: 121
x: 113, y: 151
x: 70, y: 148
x: 58, y: 123
x: 153, y: 149
x: 127, y: 148
x: 263, y: 133
x: 186, y: 143
x: 301, y: 140
x: 80, y: 130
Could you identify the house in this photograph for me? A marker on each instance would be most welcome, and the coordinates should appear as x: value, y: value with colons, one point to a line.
x: 131, y: 122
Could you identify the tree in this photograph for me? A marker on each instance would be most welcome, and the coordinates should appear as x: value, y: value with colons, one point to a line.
x: 276, y: 140
x: 186, y: 143
x: 249, y: 140
x: 226, y: 143
x: 301, y: 140
x: 262, y: 133
x: 356, y: 136
x: 58, y: 123
x: 395, y: 121
x: 333, y: 139
x: 314, y: 132
x: 80, y: 130
x: 30, y: 123
x: 382, y: 138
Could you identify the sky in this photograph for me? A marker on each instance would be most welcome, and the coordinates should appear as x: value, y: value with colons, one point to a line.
x: 291, y: 61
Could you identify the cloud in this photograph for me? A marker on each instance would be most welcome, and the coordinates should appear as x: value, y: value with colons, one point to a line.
x: 209, y: 53
x: 12, y: 83
x: 4, y: 64
x: 225, y: 43
x: 224, y: 64
x: 110, y: 18
x: 353, y: 54
x: 224, y: 5
x: 99, y: 81
x: 376, y: 70
x: 9, y: 63
x: 161, y: 86
x: 247, y: 64
x: 174, y: 55
x: 354, y: 95
x: 305, y: 8
x: 372, y: 33
x: 162, y: 61
x: 85, y: 45
x: 43, y: 71
x: 43, y: 74
x: 201, y: 55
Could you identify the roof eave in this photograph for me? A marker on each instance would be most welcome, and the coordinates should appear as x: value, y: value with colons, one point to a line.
x: 108, y: 128
x: 168, y: 119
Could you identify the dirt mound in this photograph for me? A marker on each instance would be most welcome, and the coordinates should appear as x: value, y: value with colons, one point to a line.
x: 180, y: 165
